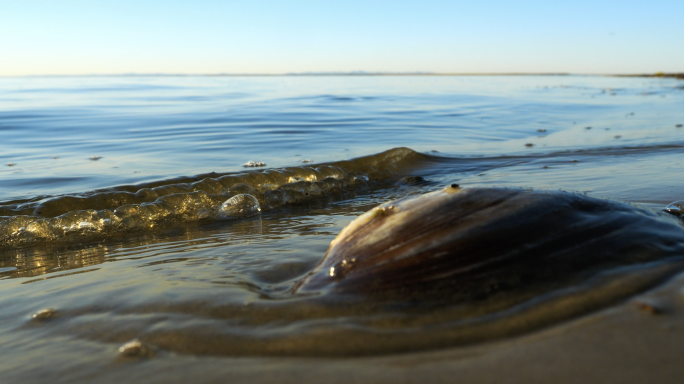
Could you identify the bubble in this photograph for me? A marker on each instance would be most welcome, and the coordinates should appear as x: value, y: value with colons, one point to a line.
x: 242, y: 205
x: 340, y: 268
x: 19, y: 231
x: 134, y: 348
x: 676, y: 208
x: 86, y: 225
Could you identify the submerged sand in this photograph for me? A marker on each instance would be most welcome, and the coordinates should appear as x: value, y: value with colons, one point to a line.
x: 628, y: 343
x: 638, y: 341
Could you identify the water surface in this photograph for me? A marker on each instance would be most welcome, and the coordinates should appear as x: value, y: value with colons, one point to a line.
x: 186, y: 276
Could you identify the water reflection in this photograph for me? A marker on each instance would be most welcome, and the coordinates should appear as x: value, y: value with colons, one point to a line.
x: 32, y: 262
x: 167, y: 246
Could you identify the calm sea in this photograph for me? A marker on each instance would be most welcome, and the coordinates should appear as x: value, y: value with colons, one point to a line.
x: 112, y: 188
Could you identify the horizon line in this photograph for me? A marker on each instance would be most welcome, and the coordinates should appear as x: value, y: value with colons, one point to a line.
x: 357, y: 73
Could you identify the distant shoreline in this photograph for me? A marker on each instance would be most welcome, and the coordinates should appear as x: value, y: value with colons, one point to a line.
x: 676, y: 75
x: 679, y: 75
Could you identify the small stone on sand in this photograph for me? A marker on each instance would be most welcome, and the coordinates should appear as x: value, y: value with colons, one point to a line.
x: 134, y: 348
x: 44, y: 314
x: 648, y: 308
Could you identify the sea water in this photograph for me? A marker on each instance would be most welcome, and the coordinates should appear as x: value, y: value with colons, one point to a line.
x: 152, y: 221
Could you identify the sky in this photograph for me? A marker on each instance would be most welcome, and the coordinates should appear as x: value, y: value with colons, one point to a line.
x: 63, y: 37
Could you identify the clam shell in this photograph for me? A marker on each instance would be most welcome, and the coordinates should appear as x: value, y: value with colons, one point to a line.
x: 474, y: 241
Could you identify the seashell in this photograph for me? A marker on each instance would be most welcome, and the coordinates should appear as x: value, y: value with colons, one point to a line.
x: 469, y: 242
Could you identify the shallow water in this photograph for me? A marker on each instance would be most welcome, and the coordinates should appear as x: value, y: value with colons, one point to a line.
x: 157, y: 156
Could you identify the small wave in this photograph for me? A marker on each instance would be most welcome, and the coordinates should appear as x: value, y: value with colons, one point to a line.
x: 102, y: 213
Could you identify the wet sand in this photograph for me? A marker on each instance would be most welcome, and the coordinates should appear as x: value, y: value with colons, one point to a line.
x: 627, y: 343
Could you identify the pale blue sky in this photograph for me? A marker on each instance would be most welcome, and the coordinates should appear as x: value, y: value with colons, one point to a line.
x: 206, y: 36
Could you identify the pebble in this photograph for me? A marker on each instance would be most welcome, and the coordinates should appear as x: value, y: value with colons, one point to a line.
x: 134, y: 348
x: 44, y: 314
x: 648, y: 308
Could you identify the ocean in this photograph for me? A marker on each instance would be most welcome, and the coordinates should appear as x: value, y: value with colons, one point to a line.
x: 129, y: 249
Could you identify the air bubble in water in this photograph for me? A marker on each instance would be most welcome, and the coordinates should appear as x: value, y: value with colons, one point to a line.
x: 85, y: 225
x: 676, y: 208
x: 19, y: 231
x: 242, y: 205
